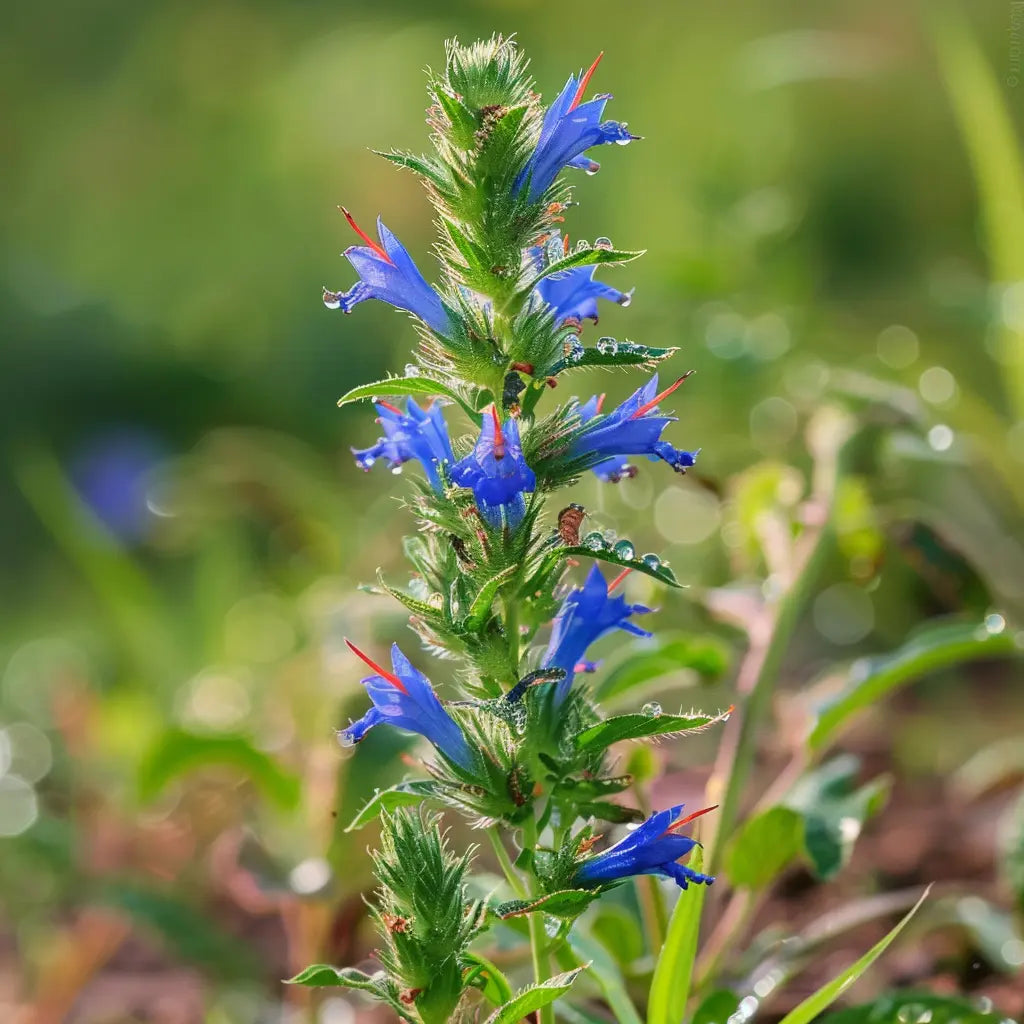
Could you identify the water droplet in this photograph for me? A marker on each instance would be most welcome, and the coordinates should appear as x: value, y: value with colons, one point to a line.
x: 994, y: 623
x: 396, y: 470
x: 366, y: 461
x: 412, y: 370
x: 607, y: 346
x: 345, y: 738
x: 625, y: 550
x: 594, y: 541
x: 652, y: 709
x: 602, y: 243
x: 984, y: 1004
x: 651, y: 561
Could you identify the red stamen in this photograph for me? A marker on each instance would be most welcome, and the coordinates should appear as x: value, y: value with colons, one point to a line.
x: 690, y: 817
x: 565, y: 245
x: 647, y: 407
x: 389, y: 676
x: 375, y: 246
x: 388, y: 405
x: 585, y: 81
x: 499, y: 437
x: 618, y: 579
x: 600, y: 402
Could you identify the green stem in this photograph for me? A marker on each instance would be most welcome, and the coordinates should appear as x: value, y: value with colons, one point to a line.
x: 512, y: 633
x: 506, y: 864
x: 538, y: 940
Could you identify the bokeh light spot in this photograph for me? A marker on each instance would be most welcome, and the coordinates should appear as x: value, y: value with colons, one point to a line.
x: 18, y: 805
x: 843, y: 614
x: 898, y: 346
x: 937, y: 385
x: 686, y: 515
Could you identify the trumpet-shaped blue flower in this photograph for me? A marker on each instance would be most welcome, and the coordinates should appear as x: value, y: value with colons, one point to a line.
x: 386, y: 271
x: 405, y: 698
x: 633, y: 428
x: 497, y: 472
x: 587, y: 613
x: 573, y: 294
x: 417, y: 433
x: 568, y: 130
x: 614, y: 469
x: 653, y: 848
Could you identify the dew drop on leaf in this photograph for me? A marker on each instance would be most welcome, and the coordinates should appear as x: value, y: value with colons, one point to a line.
x: 652, y: 709
x: 625, y: 550
x: 652, y: 561
x: 595, y: 541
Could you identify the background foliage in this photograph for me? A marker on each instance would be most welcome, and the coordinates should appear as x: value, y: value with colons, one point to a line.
x: 831, y: 203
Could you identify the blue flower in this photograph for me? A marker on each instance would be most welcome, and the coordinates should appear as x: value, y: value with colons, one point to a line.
x: 588, y: 612
x: 497, y: 472
x: 651, y: 849
x: 405, y: 698
x: 386, y: 271
x: 417, y: 433
x: 614, y: 469
x: 573, y: 294
x: 569, y: 129
x: 633, y: 428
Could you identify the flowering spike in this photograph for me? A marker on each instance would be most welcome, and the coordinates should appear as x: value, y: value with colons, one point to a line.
x: 389, y: 676
x: 375, y: 246
x: 648, y: 406
x: 585, y: 81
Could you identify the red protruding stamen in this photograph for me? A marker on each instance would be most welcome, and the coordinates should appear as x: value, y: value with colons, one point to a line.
x: 585, y: 81
x: 388, y: 405
x: 565, y: 245
x: 600, y: 402
x: 648, y: 406
x: 618, y: 579
x: 690, y: 817
x: 375, y: 246
x: 389, y: 676
x: 499, y: 437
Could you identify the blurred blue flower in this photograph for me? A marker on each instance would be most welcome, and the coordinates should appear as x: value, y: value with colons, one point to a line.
x: 568, y: 130
x: 386, y: 271
x: 633, y: 428
x: 497, y: 472
x: 405, y: 698
x: 651, y: 849
x: 111, y: 473
x: 420, y: 434
x: 587, y: 613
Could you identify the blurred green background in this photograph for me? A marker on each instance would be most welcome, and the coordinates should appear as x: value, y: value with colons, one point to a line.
x: 182, y: 528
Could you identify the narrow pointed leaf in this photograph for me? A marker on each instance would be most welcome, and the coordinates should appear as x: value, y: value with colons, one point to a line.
x: 531, y: 999
x: 405, y: 794
x: 813, y: 1005
x: 326, y: 976
x: 418, y: 164
x: 660, y: 572
x: 638, y: 726
x: 673, y: 972
x: 619, y: 353
x: 568, y: 903
x: 481, y: 606
x: 406, y: 386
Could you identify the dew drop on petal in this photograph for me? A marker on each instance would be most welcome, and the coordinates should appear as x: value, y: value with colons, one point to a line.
x: 345, y: 738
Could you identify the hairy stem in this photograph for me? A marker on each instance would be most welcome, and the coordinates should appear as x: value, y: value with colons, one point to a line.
x: 511, y: 875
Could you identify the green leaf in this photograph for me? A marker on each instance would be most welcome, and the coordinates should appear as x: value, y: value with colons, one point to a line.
x: 325, y: 976
x: 673, y: 972
x: 407, y: 386
x: 178, y: 752
x: 614, y: 353
x: 533, y: 998
x: 604, y: 811
x: 485, y: 976
x: 638, y: 726
x: 834, y: 812
x: 659, y: 571
x: 405, y: 794
x: 763, y: 847
x: 809, y: 1009
x: 481, y: 606
x: 717, y: 1008
x: 413, y: 604
x: 607, y: 974
x: 419, y: 164
x: 581, y: 258
x: 868, y: 680
x: 914, y: 1007
x: 619, y: 931
x: 566, y: 904
x: 706, y: 656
